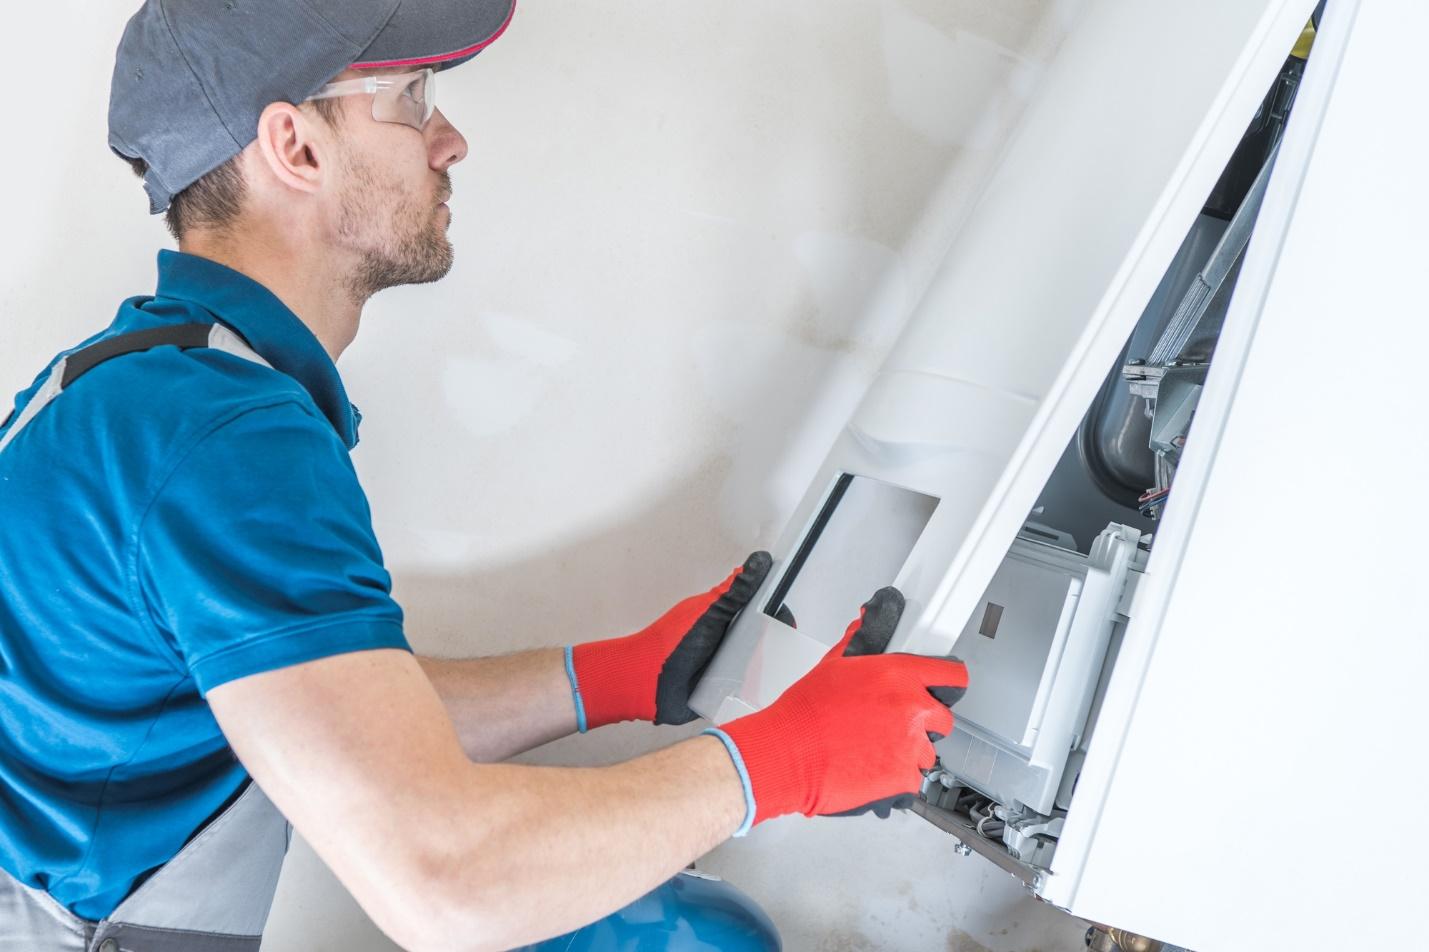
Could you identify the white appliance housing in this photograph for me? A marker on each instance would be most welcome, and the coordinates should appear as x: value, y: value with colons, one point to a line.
x: 1271, y: 648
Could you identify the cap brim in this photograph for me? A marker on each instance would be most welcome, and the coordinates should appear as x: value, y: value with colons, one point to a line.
x: 436, y: 33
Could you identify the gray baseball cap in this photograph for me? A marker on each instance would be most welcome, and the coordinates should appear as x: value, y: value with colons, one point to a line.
x: 192, y: 76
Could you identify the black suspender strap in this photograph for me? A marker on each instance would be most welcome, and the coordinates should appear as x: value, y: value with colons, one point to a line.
x: 183, y: 336
x: 72, y: 367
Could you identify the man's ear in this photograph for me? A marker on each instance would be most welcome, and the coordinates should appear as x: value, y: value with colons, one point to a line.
x: 291, y: 148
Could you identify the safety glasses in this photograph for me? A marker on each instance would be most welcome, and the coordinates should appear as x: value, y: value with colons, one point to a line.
x: 408, y: 98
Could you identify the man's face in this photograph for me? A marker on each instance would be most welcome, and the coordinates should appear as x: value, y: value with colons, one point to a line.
x: 392, y: 182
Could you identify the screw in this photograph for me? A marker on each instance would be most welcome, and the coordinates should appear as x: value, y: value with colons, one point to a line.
x: 962, y: 849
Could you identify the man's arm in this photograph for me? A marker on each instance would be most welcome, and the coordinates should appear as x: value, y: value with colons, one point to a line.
x: 443, y: 853
x: 505, y: 705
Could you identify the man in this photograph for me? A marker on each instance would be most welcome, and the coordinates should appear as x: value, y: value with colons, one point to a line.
x: 194, y: 597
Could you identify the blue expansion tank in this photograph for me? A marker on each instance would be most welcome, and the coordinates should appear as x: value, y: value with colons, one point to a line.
x: 693, y: 912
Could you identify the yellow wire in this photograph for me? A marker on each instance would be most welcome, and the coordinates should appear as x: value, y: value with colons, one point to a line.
x: 1307, y: 40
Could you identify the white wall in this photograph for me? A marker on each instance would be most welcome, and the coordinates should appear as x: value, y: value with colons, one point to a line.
x: 686, y: 235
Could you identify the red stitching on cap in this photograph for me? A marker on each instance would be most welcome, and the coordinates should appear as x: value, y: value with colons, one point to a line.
x: 443, y: 57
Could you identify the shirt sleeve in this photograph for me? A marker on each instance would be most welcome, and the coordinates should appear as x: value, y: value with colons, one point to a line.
x: 258, y: 552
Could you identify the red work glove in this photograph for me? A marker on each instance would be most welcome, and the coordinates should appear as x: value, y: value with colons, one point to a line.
x: 854, y: 734
x: 648, y: 676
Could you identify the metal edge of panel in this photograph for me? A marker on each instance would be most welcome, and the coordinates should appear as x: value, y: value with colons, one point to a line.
x: 951, y: 823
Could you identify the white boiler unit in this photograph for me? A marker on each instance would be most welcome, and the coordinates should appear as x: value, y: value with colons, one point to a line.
x: 1120, y: 462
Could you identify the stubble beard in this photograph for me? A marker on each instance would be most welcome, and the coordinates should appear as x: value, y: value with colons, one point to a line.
x: 399, y: 241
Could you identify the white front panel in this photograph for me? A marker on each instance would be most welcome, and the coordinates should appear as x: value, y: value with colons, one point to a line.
x: 1136, y: 120
x: 1260, y: 787
x: 1137, y: 117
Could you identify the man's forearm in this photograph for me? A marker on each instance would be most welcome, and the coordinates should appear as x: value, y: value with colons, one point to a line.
x: 445, y: 853
x: 597, y: 838
x: 505, y: 705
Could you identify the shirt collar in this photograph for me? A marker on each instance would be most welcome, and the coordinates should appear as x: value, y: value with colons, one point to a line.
x: 268, y: 326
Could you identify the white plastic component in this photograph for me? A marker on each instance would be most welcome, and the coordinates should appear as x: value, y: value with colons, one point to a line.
x: 866, y: 540
x: 1036, y: 672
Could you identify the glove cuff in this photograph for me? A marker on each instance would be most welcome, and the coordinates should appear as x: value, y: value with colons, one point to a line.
x: 613, y: 680
x: 582, y: 724
x: 774, y: 746
x: 734, y: 754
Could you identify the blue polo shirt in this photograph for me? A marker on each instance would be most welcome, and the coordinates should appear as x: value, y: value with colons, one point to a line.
x: 172, y: 521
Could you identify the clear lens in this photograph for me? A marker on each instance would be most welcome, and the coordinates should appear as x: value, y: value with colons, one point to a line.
x: 408, y: 101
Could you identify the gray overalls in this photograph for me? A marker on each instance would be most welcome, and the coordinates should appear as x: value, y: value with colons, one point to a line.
x: 213, y: 896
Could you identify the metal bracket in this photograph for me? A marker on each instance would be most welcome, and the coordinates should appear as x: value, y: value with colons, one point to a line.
x: 991, y: 850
